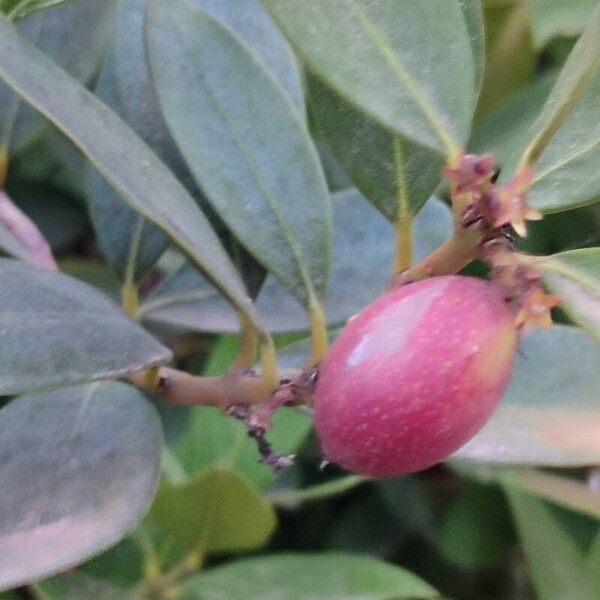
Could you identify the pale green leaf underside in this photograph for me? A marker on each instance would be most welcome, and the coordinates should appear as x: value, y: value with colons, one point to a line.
x: 376, y: 56
x: 244, y: 142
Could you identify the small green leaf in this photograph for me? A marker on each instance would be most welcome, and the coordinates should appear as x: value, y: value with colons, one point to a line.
x: 79, y: 467
x: 564, y: 143
x: 575, y: 276
x: 363, y: 251
x: 79, y: 586
x: 559, y: 18
x: 244, y: 142
x: 17, y: 9
x: 550, y: 413
x: 509, y: 52
x: 121, y: 157
x: 216, y: 511
x: 58, y: 331
x: 375, y: 56
x: 327, y: 576
x: 557, y: 565
x: 568, y: 493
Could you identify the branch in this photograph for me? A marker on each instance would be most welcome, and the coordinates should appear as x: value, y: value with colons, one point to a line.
x: 37, y: 249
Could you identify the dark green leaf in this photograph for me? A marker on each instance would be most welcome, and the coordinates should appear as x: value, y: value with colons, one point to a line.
x: 550, y: 413
x: 476, y: 530
x: 121, y: 156
x: 509, y: 51
x: 395, y: 174
x: 57, y: 331
x: 78, y: 468
x: 362, y: 252
x: 557, y: 565
x: 575, y: 277
x: 245, y: 143
x: 559, y: 18
x: 374, y: 54
x: 329, y: 576
x: 216, y: 511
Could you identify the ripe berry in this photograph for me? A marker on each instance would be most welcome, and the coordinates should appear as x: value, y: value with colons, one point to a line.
x: 414, y: 375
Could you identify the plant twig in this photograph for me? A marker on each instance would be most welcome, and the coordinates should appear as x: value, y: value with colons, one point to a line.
x: 37, y: 250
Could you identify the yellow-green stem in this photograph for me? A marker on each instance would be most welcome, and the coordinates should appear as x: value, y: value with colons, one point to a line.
x: 318, y: 326
x: 270, y: 371
x: 403, y: 226
x: 129, y: 292
x: 4, y: 160
x: 247, y: 344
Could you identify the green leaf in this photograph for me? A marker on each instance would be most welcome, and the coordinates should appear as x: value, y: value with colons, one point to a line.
x: 593, y: 561
x: 58, y: 331
x: 550, y: 414
x: 559, y: 18
x: 575, y: 276
x: 245, y: 143
x: 395, y: 174
x: 377, y: 57
x: 568, y: 493
x: 215, y: 440
x: 363, y: 251
x: 74, y: 36
x: 327, y: 576
x: 509, y: 52
x: 79, y: 468
x: 557, y: 565
x: 125, y: 85
x: 476, y: 530
x: 216, y: 511
x: 79, y: 586
x: 126, y: 162
x: 565, y: 137
x: 17, y: 9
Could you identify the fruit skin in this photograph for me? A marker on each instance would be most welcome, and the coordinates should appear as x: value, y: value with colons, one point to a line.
x: 415, y: 375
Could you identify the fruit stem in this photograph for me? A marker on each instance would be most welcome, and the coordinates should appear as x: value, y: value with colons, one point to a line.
x: 247, y: 344
x: 449, y: 258
x: 320, y: 340
x: 403, y: 225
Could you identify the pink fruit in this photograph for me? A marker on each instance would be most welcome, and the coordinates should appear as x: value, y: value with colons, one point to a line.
x: 414, y: 375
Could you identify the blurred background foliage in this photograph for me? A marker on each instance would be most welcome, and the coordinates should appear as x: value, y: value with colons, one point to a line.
x: 472, y: 529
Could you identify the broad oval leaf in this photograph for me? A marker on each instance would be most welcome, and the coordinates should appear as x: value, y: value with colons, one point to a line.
x: 55, y: 331
x: 118, y: 153
x: 375, y: 55
x: 325, y: 576
x: 575, y: 276
x: 244, y: 142
x: 550, y: 414
x: 216, y: 511
x: 78, y: 469
x: 566, y: 135
x: 363, y: 252
x: 473, y: 15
